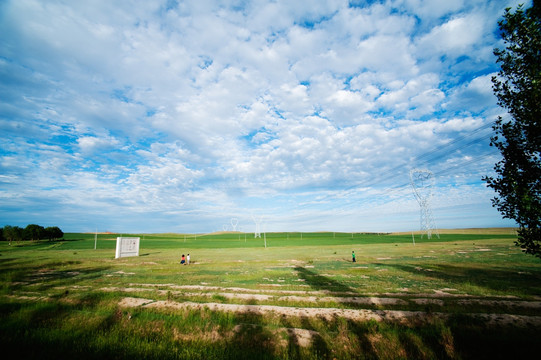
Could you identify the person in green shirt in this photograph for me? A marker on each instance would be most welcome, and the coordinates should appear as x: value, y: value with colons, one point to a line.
x: 353, y: 256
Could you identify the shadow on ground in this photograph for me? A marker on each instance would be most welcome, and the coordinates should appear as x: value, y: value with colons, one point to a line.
x: 493, y: 279
x: 321, y: 282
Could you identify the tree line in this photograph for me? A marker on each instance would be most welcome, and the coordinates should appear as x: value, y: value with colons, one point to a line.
x: 30, y: 232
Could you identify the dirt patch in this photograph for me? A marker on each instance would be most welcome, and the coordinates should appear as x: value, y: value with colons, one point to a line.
x: 130, y: 302
x: 122, y: 289
x: 438, y: 302
x: 324, y: 313
x: 302, y: 337
x: 346, y: 300
x: 120, y: 272
x: 507, y: 303
x: 369, y: 300
x: 445, y: 293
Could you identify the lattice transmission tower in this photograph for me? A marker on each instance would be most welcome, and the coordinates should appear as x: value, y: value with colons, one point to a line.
x: 257, y: 221
x: 234, y: 223
x: 422, y: 182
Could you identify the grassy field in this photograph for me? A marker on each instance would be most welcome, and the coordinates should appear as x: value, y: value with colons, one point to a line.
x: 468, y: 294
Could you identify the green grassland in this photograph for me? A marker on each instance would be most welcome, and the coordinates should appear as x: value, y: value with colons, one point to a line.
x: 65, y: 298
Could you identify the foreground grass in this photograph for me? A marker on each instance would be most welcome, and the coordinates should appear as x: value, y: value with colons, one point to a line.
x: 56, y: 330
x: 61, y: 299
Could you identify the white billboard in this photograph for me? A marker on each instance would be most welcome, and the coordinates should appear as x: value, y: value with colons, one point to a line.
x: 127, y: 246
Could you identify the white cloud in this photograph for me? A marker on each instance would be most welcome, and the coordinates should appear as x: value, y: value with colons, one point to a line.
x: 419, y: 95
x: 456, y: 36
x: 211, y: 107
x: 475, y: 96
x: 91, y: 144
x: 381, y: 53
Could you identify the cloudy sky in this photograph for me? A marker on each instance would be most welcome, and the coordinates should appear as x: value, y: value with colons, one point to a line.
x: 173, y: 116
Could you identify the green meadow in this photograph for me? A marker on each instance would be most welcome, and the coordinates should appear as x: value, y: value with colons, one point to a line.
x: 467, y: 294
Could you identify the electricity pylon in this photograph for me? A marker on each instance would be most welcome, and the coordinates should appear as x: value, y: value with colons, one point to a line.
x: 422, y: 182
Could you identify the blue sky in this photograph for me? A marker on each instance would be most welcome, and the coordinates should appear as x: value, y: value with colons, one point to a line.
x: 174, y: 116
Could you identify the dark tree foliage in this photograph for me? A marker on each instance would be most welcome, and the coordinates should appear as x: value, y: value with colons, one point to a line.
x: 12, y: 233
x: 33, y: 232
x: 518, y: 138
x: 30, y: 232
x: 53, y: 232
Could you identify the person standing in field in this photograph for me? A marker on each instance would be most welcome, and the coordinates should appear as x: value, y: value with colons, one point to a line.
x: 183, y: 260
x: 353, y: 256
x: 188, y: 259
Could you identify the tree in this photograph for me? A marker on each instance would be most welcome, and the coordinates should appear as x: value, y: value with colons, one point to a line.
x: 518, y: 138
x: 12, y: 233
x: 53, y: 232
x: 33, y: 232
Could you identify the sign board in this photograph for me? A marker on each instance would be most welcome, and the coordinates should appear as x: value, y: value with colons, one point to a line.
x: 127, y: 246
